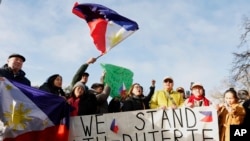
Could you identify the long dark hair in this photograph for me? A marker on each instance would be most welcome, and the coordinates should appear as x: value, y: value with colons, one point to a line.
x: 50, y: 87
x: 51, y: 80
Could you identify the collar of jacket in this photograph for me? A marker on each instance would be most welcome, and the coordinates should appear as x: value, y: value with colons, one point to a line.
x: 20, y: 72
x: 137, y: 97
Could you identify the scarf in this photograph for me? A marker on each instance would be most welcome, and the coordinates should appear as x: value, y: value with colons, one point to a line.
x: 192, y: 98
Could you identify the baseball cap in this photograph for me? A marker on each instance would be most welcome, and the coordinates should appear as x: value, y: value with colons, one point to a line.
x: 196, y: 84
x: 168, y: 77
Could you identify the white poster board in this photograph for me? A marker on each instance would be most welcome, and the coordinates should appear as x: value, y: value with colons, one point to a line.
x: 183, y: 124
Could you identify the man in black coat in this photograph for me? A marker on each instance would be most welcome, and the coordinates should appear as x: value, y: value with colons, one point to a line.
x: 12, y: 70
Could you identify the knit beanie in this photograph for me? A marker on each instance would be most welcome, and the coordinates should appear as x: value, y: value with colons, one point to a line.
x: 78, y: 84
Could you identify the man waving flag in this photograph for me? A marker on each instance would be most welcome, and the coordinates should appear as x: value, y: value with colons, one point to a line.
x: 107, y: 27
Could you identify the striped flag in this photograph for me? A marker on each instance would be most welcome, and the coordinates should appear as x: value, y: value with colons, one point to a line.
x: 30, y: 114
x: 114, y: 127
x: 107, y: 27
x: 207, y: 116
x: 122, y: 89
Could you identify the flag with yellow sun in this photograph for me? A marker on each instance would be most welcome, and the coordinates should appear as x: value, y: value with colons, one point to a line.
x: 29, y: 114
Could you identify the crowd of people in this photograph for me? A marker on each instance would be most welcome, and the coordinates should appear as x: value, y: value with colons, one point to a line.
x: 235, y: 110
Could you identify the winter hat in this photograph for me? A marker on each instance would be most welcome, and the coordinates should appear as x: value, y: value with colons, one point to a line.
x: 78, y: 84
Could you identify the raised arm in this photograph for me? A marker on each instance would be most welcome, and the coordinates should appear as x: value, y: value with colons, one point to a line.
x: 78, y: 75
x: 151, y: 91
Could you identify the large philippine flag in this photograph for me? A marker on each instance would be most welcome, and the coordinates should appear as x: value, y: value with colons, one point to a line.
x: 107, y: 27
x: 29, y: 114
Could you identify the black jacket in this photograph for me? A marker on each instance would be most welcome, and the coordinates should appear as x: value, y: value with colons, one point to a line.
x: 148, y: 97
x: 133, y: 103
x: 52, y: 89
x: 114, y: 105
x: 246, y: 106
x: 87, y: 104
x: 5, y: 71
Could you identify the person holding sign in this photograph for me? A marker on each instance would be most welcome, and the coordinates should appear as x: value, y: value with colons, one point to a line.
x: 135, y: 99
x: 197, y: 98
x: 229, y: 113
x: 166, y: 98
x: 81, y: 101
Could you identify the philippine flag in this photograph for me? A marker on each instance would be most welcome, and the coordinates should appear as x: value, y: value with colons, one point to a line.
x: 114, y: 127
x: 207, y: 116
x: 29, y: 114
x: 107, y: 27
x: 122, y: 90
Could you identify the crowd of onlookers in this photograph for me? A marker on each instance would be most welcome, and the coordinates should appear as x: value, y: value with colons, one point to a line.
x: 235, y: 110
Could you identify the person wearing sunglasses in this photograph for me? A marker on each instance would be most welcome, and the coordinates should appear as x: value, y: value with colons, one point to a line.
x: 167, y: 97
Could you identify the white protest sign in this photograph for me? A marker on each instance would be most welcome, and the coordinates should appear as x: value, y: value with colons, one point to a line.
x: 183, y: 124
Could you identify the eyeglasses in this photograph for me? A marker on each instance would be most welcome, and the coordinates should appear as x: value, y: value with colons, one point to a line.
x: 168, y: 80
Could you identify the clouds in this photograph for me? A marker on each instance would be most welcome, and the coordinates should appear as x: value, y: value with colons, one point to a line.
x: 189, y: 40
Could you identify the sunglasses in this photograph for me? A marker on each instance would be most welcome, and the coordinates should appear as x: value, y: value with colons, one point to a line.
x: 180, y: 91
x: 168, y: 80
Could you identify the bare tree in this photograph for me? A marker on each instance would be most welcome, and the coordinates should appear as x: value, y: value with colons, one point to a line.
x: 217, y: 93
x: 241, y: 64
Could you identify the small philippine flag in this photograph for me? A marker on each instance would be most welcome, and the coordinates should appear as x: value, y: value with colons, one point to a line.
x: 114, y: 127
x: 122, y: 89
x: 207, y: 116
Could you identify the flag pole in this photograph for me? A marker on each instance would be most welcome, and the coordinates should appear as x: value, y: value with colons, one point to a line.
x: 99, y: 56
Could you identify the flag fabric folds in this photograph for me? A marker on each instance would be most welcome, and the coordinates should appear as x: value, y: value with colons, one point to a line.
x: 107, y: 27
x: 29, y: 114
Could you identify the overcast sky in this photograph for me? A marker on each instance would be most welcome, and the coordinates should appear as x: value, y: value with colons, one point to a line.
x: 190, y: 40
